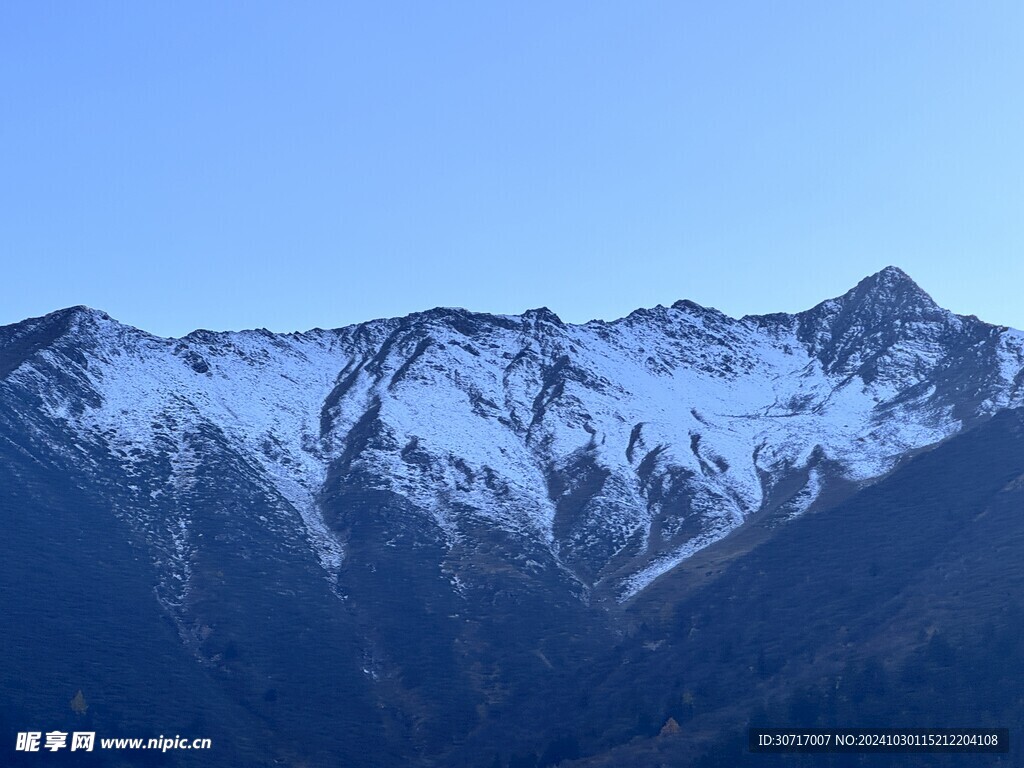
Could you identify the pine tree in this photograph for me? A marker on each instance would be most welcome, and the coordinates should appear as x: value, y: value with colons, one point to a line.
x: 78, y: 705
x: 670, y: 727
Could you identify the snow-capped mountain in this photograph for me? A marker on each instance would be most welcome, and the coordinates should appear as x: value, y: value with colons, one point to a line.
x: 602, y: 454
x: 453, y: 538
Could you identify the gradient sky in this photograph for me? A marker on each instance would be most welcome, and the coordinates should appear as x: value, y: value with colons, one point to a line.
x: 301, y: 164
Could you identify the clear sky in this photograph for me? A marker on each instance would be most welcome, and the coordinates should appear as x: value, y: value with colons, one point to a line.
x: 300, y: 164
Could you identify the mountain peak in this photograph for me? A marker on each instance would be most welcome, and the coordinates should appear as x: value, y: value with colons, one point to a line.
x: 79, y: 310
x: 893, y: 279
x: 852, y: 332
x: 893, y: 287
x: 542, y: 314
x: 885, y: 295
x: 891, y: 274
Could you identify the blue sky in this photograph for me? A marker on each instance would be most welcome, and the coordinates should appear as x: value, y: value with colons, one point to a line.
x: 291, y: 165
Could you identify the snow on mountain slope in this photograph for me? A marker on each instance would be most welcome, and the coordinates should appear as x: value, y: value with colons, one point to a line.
x: 620, y: 448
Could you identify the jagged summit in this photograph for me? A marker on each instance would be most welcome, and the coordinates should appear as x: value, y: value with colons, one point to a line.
x: 890, y: 289
x: 888, y: 295
x: 686, y: 305
x: 892, y: 275
x: 859, y: 332
x: 542, y: 314
x: 60, y: 317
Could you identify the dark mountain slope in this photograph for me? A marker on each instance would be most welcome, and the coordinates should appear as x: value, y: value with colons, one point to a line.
x: 903, y: 606
x: 258, y: 643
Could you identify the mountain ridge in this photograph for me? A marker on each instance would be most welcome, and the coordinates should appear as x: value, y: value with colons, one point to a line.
x: 890, y: 275
x: 538, y: 401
